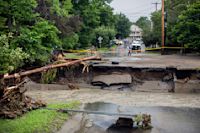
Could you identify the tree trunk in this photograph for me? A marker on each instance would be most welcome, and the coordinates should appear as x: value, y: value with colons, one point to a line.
x: 45, y: 68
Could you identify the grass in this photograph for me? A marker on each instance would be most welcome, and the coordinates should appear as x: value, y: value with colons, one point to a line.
x: 37, y: 121
x: 103, y: 49
x: 74, y: 55
x: 85, y: 54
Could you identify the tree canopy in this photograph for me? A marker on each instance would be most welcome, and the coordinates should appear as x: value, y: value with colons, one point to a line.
x: 31, y: 29
x: 183, y: 20
x: 187, y: 30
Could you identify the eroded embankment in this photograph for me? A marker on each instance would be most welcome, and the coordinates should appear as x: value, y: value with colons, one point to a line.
x: 147, y: 79
x: 124, y: 78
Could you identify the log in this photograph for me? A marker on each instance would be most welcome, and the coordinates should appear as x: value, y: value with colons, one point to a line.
x: 17, y: 86
x: 45, y: 68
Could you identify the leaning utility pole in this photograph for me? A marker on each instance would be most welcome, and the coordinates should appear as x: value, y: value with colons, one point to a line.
x: 163, y: 26
x: 156, y: 5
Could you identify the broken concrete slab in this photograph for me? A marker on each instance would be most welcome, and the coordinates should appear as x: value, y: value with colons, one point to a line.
x: 112, y: 79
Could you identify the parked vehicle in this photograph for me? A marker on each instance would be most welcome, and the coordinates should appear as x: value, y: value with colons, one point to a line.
x: 138, y: 45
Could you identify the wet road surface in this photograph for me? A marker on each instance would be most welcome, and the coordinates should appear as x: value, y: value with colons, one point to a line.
x: 164, y: 119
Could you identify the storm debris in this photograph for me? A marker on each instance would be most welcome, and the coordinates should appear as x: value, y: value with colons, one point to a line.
x: 140, y: 121
x: 13, y: 102
x: 143, y: 121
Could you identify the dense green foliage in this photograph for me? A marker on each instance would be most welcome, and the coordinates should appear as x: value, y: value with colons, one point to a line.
x: 151, y: 28
x: 10, y: 58
x: 187, y: 30
x: 174, y: 9
x: 106, y: 33
x: 122, y: 26
x: 144, y: 23
x: 38, y: 40
x: 40, y: 26
x: 183, y: 23
x: 38, y: 121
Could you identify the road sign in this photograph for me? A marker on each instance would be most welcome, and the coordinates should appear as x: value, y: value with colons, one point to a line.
x: 100, y: 39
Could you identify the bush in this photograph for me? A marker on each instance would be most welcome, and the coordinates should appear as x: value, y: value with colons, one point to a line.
x: 38, y: 41
x: 106, y: 33
x: 10, y: 59
x: 70, y: 41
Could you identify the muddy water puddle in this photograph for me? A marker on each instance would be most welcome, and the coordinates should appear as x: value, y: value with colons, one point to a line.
x: 164, y: 119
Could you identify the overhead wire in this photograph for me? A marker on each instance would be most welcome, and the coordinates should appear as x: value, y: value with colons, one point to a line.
x: 139, y: 11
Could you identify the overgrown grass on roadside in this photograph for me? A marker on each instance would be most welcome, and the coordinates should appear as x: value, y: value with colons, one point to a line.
x: 103, y: 49
x: 38, y: 121
x: 106, y: 49
x: 75, y: 55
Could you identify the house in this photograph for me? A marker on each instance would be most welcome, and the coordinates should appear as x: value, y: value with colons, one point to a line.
x: 136, y: 33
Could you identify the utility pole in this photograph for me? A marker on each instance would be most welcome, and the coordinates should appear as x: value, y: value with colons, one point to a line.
x: 163, y: 26
x: 156, y: 5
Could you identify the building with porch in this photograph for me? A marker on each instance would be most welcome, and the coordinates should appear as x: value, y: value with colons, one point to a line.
x: 136, y: 33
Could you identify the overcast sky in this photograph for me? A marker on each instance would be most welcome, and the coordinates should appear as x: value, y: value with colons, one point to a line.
x: 133, y: 9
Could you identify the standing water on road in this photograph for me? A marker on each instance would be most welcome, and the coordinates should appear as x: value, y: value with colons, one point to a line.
x: 164, y: 119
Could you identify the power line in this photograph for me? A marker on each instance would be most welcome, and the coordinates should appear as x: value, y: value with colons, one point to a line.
x: 139, y: 14
x: 137, y: 7
x: 140, y: 11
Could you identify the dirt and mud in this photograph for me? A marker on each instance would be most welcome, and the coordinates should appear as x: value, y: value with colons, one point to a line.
x: 128, y: 98
x: 152, y: 79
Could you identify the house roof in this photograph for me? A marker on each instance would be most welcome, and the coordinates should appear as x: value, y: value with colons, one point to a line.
x: 135, y: 28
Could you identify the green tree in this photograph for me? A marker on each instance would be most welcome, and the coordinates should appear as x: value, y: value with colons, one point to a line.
x: 156, y: 31
x: 38, y: 41
x: 144, y: 23
x: 60, y: 13
x: 10, y: 59
x: 16, y: 13
x: 107, y: 18
x: 122, y: 25
x: 187, y: 30
x: 71, y: 41
x: 151, y: 35
x: 174, y: 8
x: 90, y: 14
x: 94, y: 14
x: 60, y: 7
x: 106, y: 33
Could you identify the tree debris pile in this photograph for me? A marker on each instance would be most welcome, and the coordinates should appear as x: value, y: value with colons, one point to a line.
x: 13, y: 102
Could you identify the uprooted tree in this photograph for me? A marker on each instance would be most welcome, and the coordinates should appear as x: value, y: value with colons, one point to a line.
x: 12, y: 99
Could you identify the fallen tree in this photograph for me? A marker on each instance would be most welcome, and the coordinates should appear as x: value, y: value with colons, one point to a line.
x: 13, y: 102
x: 45, y: 68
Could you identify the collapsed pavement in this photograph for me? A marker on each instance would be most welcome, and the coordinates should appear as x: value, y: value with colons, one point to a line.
x: 125, y: 78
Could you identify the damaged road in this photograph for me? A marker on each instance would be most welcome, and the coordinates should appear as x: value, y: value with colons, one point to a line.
x: 128, y: 98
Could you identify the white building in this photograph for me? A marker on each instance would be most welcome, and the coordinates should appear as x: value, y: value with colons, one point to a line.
x: 136, y: 33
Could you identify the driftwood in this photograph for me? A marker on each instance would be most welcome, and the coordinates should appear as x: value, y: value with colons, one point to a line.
x: 45, y: 68
x: 14, y: 103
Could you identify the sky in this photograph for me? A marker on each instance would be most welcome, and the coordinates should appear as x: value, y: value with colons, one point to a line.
x: 133, y: 9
